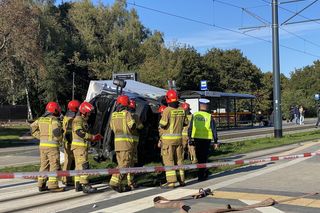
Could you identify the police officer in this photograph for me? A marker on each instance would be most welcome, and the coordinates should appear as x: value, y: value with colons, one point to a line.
x: 171, y: 125
x: 188, y: 147
x: 123, y: 126
x: 80, y: 145
x: 48, y: 129
x: 73, y: 107
x: 201, y: 133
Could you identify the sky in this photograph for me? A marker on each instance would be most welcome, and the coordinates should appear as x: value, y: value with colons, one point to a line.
x: 206, y: 24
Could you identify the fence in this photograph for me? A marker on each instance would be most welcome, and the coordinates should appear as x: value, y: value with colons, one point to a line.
x: 13, y: 112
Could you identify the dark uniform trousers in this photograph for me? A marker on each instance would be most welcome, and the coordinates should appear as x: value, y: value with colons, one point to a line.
x: 202, y: 153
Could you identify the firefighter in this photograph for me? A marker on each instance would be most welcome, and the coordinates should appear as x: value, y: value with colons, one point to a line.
x: 73, y: 107
x: 139, y: 126
x: 81, y: 139
x: 202, y: 131
x: 136, y: 133
x: 171, y: 125
x: 48, y: 130
x: 189, y: 148
x: 123, y: 126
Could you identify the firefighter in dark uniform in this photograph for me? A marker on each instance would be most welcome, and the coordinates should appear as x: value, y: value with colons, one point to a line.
x: 48, y: 130
x: 73, y: 107
x: 171, y: 125
x: 81, y: 139
x: 202, y: 132
x: 123, y: 126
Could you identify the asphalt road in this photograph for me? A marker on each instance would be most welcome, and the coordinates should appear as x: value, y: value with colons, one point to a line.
x: 279, y: 180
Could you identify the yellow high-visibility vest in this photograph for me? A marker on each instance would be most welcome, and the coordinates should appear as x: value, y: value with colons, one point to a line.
x: 201, y: 128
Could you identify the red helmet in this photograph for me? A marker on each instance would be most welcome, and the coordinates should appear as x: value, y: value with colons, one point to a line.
x: 123, y: 100
x: 185, y: 106
x: 171, y: 96
x: 85, y: 108
x: 53, y: 107
x: 74, y: 105
x: 132, y: 104
x: 161, y: 108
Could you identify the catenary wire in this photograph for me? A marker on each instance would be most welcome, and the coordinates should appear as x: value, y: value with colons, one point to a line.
x: 219, y: 27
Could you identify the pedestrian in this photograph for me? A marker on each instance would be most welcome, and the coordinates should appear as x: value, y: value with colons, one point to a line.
x: 301, y: 115
x: 171, y: 125
x: 69, y: 163
x: 296, y: 114
x: 81, y: 139
x: 123, y: 126
x: 188, y: 148
x: 202, y: 132
x: 318, y: 115
x: 48, y: 130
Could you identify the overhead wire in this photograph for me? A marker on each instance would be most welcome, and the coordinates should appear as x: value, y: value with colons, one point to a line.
x: 219, y: 27
x: 263, y: 19
x: 293, y: 12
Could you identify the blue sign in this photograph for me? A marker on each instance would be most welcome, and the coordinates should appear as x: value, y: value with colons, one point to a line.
x: 317, y: 97
x: 203, y: 85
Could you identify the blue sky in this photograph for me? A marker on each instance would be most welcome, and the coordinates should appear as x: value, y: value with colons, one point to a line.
x: 304, y: 38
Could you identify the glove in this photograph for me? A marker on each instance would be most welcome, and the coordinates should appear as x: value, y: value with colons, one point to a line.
x: 97, y: 137
x: 215, y: 146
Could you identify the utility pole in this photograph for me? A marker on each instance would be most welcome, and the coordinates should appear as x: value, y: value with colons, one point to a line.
x: 73, y: 86
x: 276, y: 72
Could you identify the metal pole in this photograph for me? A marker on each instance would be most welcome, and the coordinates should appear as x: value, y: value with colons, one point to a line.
x: 73, y: 86
x: 276, y: 72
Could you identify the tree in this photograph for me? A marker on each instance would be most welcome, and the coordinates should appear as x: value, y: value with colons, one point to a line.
x: 20, y: 51
x: 235, y: 72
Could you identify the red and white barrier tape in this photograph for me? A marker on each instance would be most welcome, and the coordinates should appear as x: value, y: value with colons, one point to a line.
x: 133, y: 170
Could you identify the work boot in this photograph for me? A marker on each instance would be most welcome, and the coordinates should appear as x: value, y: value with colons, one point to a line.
x: 133, y: 186
x: 121, y: 189
x: 126, y: 188
x: 182, y: 183
x: 43, y: 188
x: 86, y: 188
x: 116, y: 188
x: 167, y: 186
x: 78, y: 187
x: 58, y: 189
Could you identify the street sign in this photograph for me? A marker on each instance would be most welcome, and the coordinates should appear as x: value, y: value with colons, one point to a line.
x: 125, y: 76
x: 203, y: 85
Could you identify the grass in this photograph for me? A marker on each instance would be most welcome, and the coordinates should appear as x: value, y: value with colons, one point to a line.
x: 247, y: 146
x: 152, y: 179
x: 9, y: 136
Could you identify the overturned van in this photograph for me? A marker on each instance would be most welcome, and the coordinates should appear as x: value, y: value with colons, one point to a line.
x: 102, y: 95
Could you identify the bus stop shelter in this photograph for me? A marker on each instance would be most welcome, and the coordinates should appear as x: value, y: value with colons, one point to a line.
x: 230, y: 110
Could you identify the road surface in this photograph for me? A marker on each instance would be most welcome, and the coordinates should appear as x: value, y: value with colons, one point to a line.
x: 250, y: 184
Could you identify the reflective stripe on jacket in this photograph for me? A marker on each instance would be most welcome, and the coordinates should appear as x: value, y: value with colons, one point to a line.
x: 123, y: 125
x: 172, y: 123
x: 80, y: 132
x: 48, y: 130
